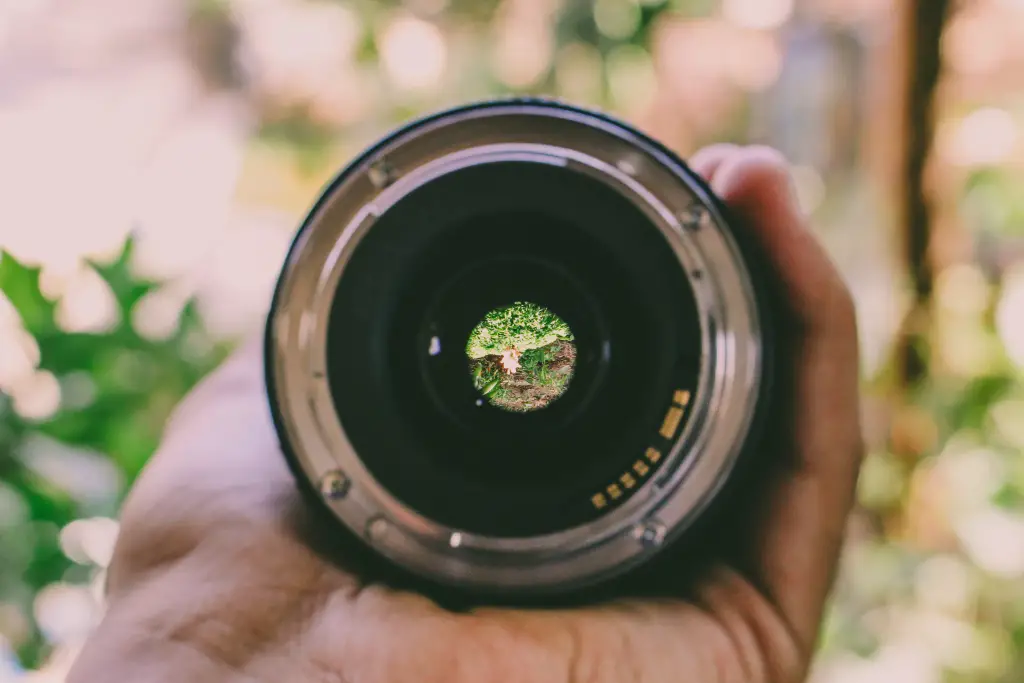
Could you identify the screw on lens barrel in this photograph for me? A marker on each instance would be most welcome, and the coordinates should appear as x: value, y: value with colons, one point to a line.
x: 335, y: 485
x: 650, y: 533
x: 692, y: 217
x: 381, y: 174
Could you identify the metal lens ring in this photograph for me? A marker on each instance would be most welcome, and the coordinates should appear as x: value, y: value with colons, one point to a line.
x: 721, y: 407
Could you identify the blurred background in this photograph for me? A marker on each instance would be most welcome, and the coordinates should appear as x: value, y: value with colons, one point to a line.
x: 156, y: 157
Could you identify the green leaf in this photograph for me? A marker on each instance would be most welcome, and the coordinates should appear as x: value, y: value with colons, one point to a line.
x: 63, y: 353
x: 21, y: 286
x: 128, y: 290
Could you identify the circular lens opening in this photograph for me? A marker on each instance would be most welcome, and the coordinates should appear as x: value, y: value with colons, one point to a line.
x: 437, y: 263
x: 521, y: 357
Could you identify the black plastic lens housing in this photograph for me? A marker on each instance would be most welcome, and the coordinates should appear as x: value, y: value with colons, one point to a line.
x: 470, y: 210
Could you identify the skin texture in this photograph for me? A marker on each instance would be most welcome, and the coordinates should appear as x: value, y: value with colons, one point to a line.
x: 212, y: 582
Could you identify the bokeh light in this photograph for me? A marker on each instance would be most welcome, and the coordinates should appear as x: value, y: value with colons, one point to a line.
x: 617, y: 19
x: 19, y: 356
x: 524, y: 41
x: 65, y: 612
x: 994, y: 540
x: 1009, y: 316
x: 970, y: 44
x: 90, y: 541
x: 631, y: 78
x: 758, y: 14
x: 578, y: 73
x: 87, y: 304
x: 754, y: 61
x: 413, y: 53
x: 36, y: 395
x: 986, y: 136
x: 295, y: 51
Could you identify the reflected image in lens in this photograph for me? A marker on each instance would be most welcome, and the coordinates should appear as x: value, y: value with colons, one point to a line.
x: 521, y: 357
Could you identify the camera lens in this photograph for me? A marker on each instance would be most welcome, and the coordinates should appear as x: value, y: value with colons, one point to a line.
x: 517, y: 347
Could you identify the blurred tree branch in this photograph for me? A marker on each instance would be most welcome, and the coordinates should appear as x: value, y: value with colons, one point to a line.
x: 923, y: 22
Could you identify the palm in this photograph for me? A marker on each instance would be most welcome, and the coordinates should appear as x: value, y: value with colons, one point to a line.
x: 217, y: 578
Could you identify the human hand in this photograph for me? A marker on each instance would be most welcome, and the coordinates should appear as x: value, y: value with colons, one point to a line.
x: 213, y: 579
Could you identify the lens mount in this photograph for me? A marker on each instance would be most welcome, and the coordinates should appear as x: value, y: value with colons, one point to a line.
x: 703, y: 428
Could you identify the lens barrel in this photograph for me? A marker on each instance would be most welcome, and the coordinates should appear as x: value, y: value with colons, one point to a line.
x: 484, y: 206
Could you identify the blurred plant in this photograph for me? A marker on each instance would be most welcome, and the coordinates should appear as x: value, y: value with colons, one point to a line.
x: 993, y: 203
x: 938, y: 541
x: 541, y: 37
x: 116, y: 389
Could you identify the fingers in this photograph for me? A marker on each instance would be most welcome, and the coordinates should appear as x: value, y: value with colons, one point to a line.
x: 706, y: 161
x: 756, y: 184
x: 797, y: 530
x: 822, y: 325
